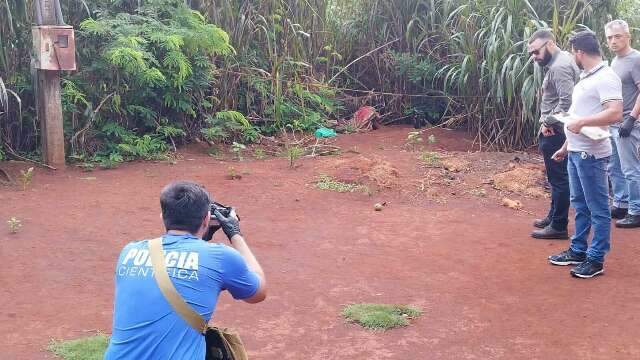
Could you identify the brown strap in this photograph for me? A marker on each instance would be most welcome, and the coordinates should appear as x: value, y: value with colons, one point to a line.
x: 169, y: 291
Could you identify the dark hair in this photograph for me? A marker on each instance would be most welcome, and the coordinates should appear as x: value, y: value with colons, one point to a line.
x: 544, y: 34
x: 587, y: 42
x: 184, y: 205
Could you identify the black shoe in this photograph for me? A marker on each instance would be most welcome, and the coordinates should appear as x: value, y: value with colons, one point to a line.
x: 550, y: 233
x: 618, y: 213
x: 567, y: 257
x: 629, y: 221
x: 542, y: 223
x: 588, y: 269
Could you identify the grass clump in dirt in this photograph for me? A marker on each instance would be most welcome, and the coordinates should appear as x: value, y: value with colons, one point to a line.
x: 430, y: 158
x: 25, y: 178
x: 88, y: 348
x: 380, y: 316
x: 326, y: 182
x: 14, y: 225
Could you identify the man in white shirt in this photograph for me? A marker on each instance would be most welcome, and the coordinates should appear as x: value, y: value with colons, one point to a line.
x: 596, y: 101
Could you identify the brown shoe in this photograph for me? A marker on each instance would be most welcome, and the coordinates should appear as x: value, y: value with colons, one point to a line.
x: 550, y: 233
x: 542, y: 223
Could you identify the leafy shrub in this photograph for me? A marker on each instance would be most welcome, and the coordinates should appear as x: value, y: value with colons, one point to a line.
x: 146, y: 81
x: 229, y: 126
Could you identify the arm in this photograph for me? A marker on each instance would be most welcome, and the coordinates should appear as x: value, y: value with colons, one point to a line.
x: 238, y: 243
x: 631, y: 118
x: 231, y: 227
x: 564, y: 80
x: 635, y: 112
x: 610, y: 94
x: 611, y: 114
x: 561, y: 154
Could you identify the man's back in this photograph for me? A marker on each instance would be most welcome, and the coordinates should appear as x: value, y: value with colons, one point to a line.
x: 144, y: 325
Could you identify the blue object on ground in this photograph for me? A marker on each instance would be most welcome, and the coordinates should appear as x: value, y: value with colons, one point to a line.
x: 324, y: 132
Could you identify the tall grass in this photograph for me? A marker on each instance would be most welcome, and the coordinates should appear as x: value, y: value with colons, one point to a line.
x: 473, y: 51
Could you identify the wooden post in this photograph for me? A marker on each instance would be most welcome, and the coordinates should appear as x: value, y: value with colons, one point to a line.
x: 49, y: 102
x: 50, y: 115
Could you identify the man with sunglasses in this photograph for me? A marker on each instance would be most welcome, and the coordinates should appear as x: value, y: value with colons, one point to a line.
x: 624, y: 167
x: 560, y: 76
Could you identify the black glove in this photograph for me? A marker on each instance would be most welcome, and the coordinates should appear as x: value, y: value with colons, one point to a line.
x: 230, y: 225
x: 627, y: 126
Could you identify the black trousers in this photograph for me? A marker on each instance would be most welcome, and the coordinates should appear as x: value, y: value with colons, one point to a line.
x: 558, y: 179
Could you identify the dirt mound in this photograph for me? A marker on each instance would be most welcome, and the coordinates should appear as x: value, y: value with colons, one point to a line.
x: 521, y: 180
x: 366, y: 171
x: 455, y: 164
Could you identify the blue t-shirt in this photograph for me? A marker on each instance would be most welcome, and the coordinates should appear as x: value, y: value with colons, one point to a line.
x: 145, y: 326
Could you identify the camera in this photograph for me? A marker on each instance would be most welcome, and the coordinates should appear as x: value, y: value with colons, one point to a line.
x: 223, y: 209
x: 214, y: 224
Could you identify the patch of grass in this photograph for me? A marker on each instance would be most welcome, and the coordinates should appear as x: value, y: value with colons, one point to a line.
x: 232, y: 173
x: 480, y: 192
x: 89, y: 348
x: 14, y: 225
x: 86, y: 166
x: 346, y: 129
x: 430, y: 158
x: 294, y: 153
x: 238, y: 149
x: 326, y: 182
x: 414, y: 140
x: 380, y: 316
x: 259, y: 153
x: 25, y: 178
x: 213, y: 152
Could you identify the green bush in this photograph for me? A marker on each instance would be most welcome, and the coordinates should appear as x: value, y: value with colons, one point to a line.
x: 145, y: 78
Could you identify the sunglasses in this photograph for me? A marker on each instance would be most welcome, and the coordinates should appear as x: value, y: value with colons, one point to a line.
x: 537, y: 51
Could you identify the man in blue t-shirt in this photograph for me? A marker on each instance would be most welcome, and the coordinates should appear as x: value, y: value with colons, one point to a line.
x: 145, y: 326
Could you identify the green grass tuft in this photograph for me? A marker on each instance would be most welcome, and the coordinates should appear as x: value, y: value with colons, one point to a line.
x: 88, y: 348
x: 430, y: 158
x: 380, y: 316
x: 326, y: 182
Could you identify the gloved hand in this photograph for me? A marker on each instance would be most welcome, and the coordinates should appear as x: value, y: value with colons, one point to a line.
x: 627, y: 126
x: 230, y: 225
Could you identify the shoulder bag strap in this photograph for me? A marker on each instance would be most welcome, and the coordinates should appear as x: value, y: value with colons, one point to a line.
x: 168, y: 289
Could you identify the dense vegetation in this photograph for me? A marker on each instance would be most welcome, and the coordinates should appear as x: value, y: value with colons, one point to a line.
x: 153, y: 74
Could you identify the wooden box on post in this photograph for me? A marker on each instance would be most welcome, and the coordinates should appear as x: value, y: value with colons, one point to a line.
x: 54, y: 47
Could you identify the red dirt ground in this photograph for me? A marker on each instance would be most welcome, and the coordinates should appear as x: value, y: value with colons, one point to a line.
x: 485, y: 286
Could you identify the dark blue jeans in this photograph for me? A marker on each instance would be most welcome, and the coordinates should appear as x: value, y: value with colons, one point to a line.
x: 590, y: 199
x: 558, y: 179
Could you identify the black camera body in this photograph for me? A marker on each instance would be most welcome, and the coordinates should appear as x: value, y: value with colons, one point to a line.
x: 223, y: 209
x: 214, y: 224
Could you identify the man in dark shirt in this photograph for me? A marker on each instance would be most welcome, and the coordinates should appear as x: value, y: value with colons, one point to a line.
x: 561, y: 74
